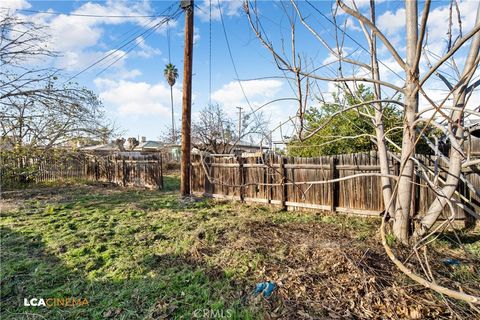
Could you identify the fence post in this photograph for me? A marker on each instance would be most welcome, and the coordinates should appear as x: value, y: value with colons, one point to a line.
x: 284, y: 194
x: 206, y: 181
x: 96, y: 169
x: 85, y: 167
x: 270, y: 171
x: 115, y: 178
x: 160, y: 163
x: 333, y: 185
x: 124, y: 171
x: 242, y: 178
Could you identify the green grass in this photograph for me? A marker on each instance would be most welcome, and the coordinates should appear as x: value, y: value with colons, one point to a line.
x: 142, y: 254
x: 126, y: 251
x: 129, y: 252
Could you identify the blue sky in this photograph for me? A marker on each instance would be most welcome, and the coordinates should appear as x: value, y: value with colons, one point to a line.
x: 134, y: 91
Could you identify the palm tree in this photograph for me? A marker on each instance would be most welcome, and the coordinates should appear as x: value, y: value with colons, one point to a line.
x: 171, y: 75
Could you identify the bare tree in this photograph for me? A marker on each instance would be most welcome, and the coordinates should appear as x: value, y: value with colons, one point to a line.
x: 132, y: 143
x: 349, y: 69
x: 36, y: 107
x: 120, y: 143
x: 215, y: 132
x: 167, y: 135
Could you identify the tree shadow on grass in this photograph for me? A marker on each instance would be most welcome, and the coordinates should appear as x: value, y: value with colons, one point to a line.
x: 466, y: 238
x: 171, y: 183
x: 171, y: 287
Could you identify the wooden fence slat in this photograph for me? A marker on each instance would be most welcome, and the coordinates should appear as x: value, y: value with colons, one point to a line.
x: 141, y: 171
x: 284, y: 194
x: 359, y: 195
x: 333, y: 186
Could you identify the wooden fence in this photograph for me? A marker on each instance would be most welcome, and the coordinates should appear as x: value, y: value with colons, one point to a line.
x: 139, y: 171
x: 294, y: 182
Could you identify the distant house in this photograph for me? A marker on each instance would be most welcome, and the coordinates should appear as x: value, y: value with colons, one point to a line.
x: 7, y: 143
x: 245, y: 146
x: 473, y: 143
x: 233, y: 147
x: 171, y: 152
x: 149, y: 146
x: 101, y: 148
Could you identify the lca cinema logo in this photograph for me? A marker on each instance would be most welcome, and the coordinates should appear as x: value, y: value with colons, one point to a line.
x: 55, y: 302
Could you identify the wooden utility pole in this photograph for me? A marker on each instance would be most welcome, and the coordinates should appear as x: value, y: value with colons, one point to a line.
x: 174, y: 139
x: 187, y: 5
x: 239, y: 122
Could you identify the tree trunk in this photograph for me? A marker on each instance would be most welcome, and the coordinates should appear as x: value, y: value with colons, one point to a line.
x: 405, y: 183
x: 378, y: 122
x: 456, y: 157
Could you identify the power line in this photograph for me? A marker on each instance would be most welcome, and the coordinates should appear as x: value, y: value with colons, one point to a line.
x: 131, y: 32
x: 233, y: 61
x: 126, y: 44
x: 350, y: 37
x: 150, y: 32
x: 210, y: 53
x: 135, y: 32
x: 168, y: 43
x: 84, y: 15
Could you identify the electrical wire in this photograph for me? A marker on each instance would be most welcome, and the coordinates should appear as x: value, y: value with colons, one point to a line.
x: 233, y: 61
x: 168, y: 44
x: 143, y: 25
x: 125, y: 44
x: 84, y: 15
x: 151, y: 31
x: 351, y: 38
x: 210, y: 54
x: 135, y: 32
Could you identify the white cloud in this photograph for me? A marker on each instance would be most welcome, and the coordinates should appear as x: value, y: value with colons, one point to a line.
x: 128, y: 74
x: 391, y: 22
x: 259, y: 92
x: 145, y: 51
x: 72, y: 33
x: 360, y: 4
x: 78, y: 38
x: 340, y: 52
x: 137, y: 98
x: 77, y: 60
x: 196, y: 35
x: 352, y: 24
x: 390, y: 71
x: 229, y: 8
x: 231, y: 96
x: 116, y: 8
x: 16, y: 4
x: 438, y: 22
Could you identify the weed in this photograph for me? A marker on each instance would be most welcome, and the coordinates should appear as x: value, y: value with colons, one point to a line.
x: 390, y: 239
x: 143, y: 254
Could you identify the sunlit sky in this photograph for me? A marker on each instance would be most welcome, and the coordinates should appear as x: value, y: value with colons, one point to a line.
x: 133, y: 89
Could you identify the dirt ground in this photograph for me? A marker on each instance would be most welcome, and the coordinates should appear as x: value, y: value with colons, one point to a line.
x: 325, y: 267
x: 327, y: 271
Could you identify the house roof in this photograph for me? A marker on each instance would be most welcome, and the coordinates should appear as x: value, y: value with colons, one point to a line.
x: 149, y: 145
x: 101, y: 147
x: 243, y: 143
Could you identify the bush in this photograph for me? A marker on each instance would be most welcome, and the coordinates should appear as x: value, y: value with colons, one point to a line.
x: 172, y: 166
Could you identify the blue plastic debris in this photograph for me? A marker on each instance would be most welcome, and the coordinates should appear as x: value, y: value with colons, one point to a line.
x: 269, y: 289
x: 451, y: 262
x: 266, y: 287
x: 259, y: 288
